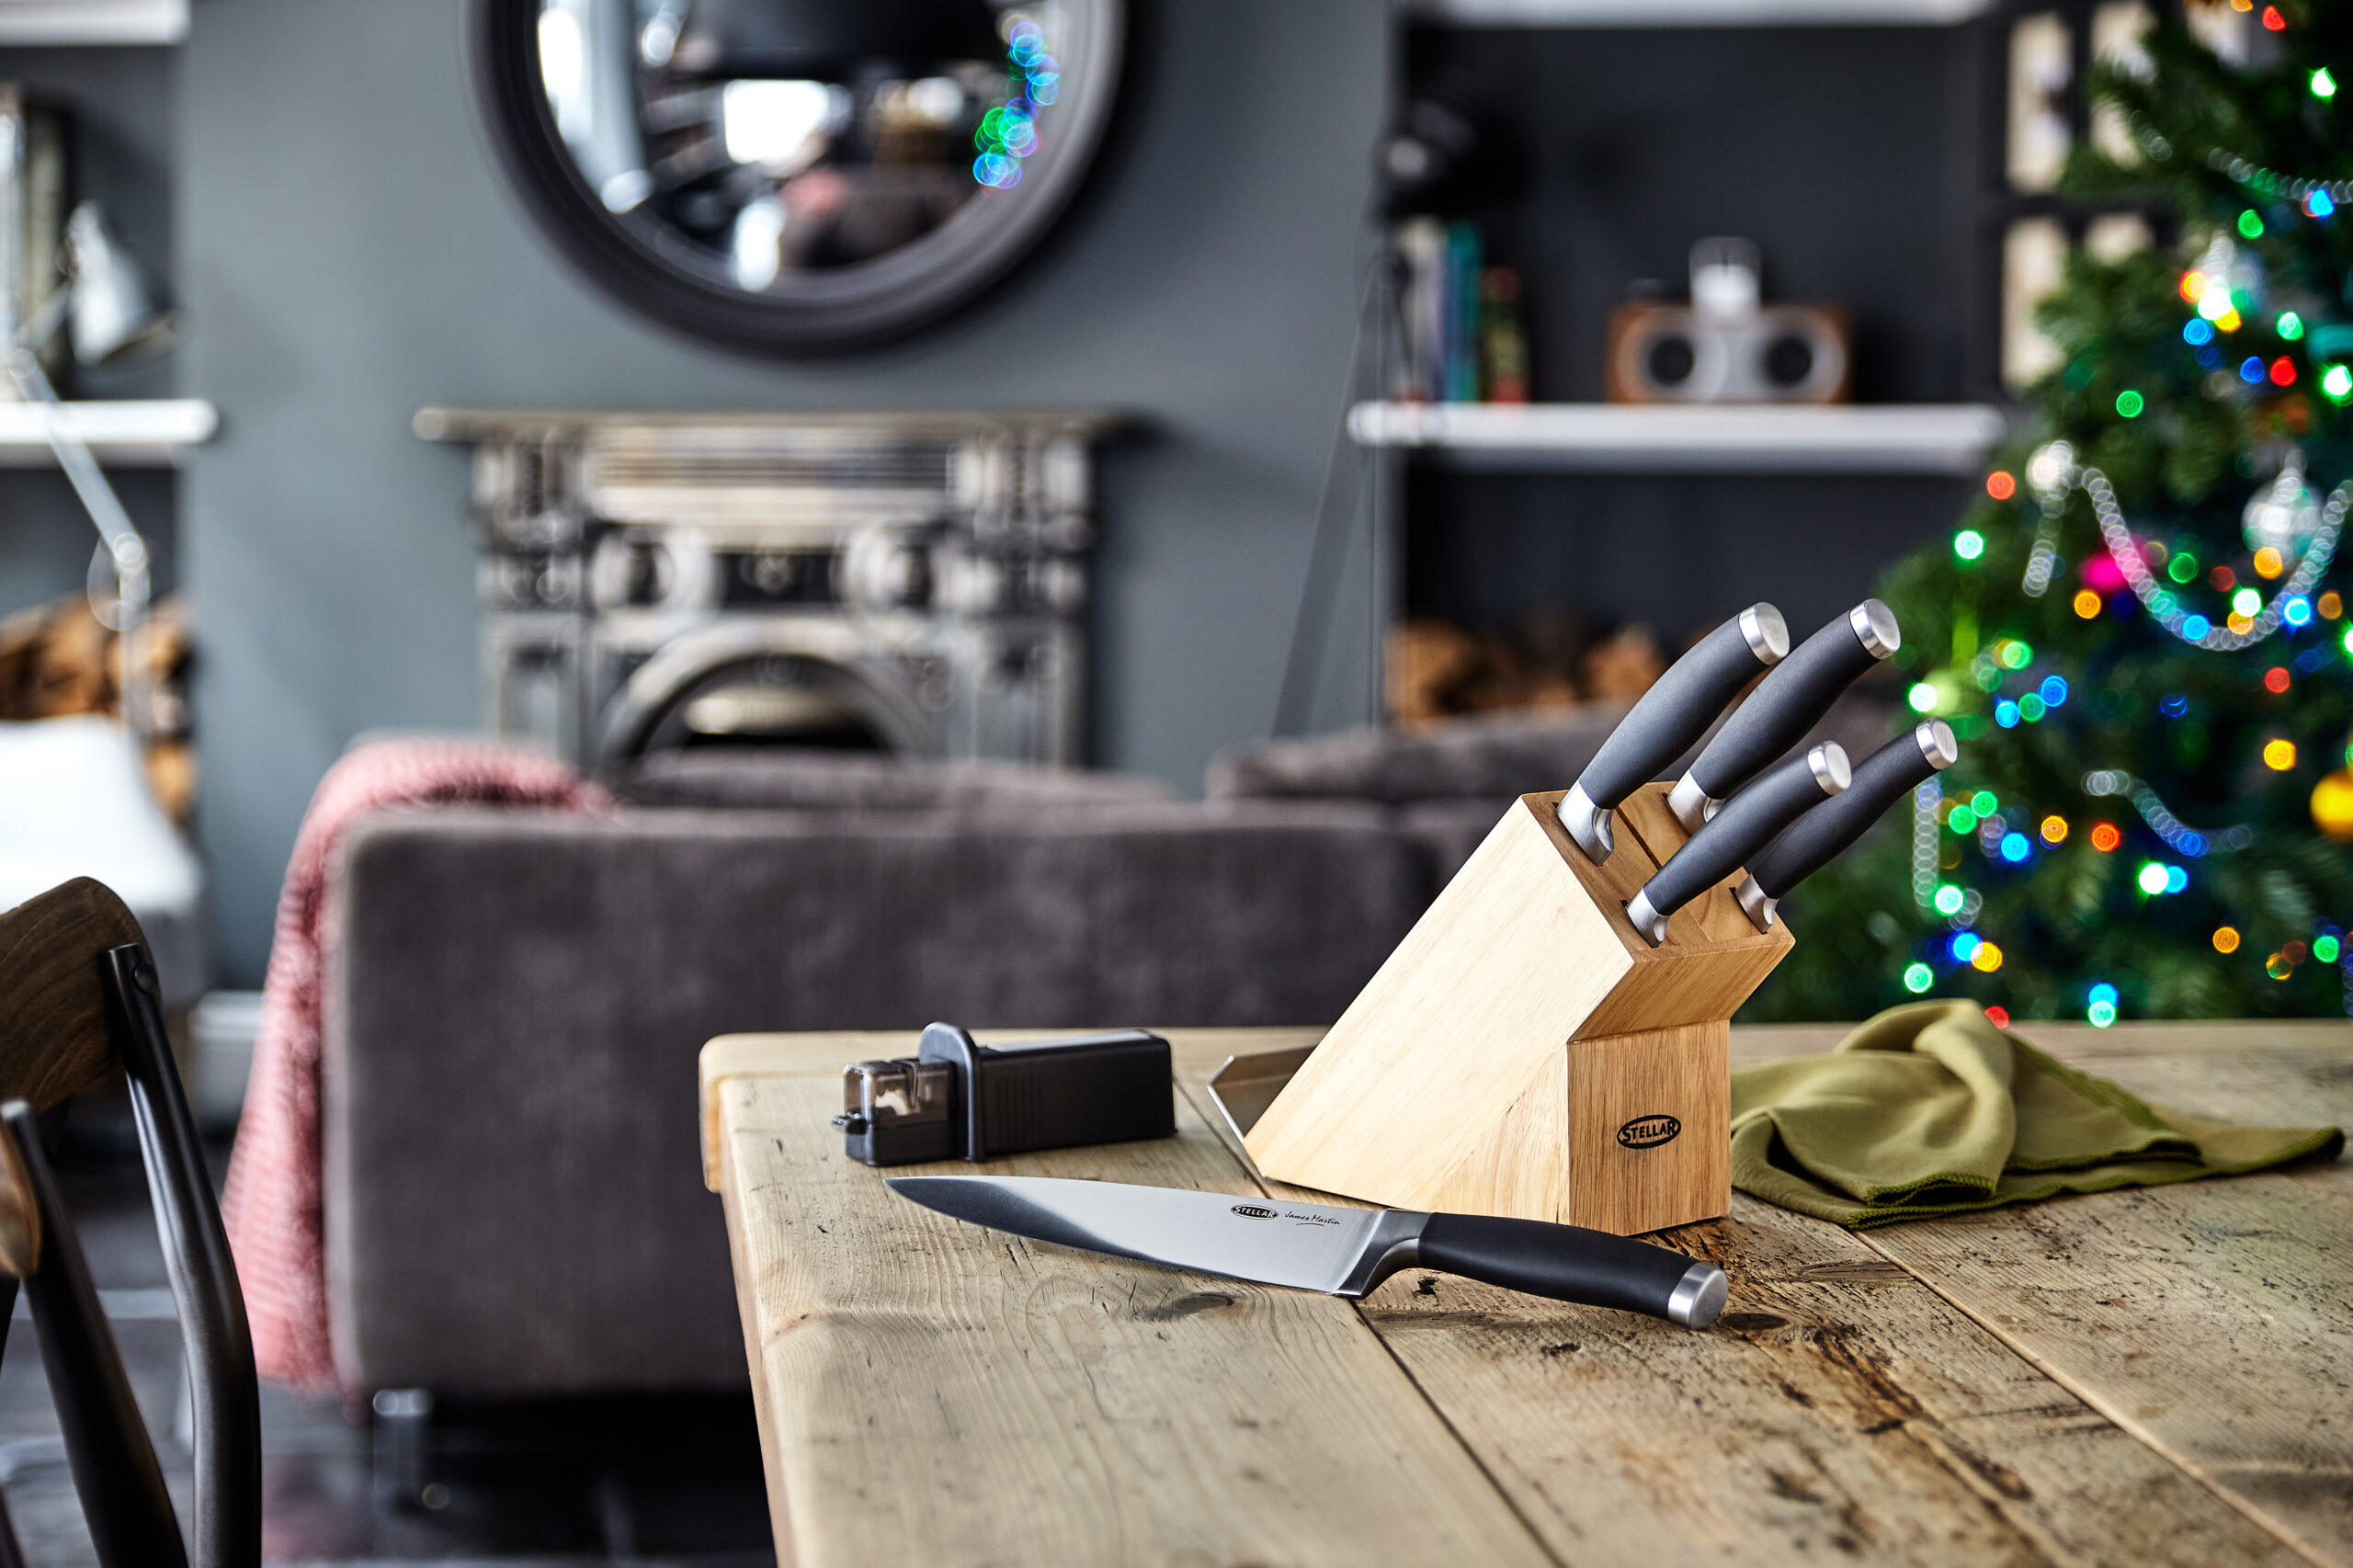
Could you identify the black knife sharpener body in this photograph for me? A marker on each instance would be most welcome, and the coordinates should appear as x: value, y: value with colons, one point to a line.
x: 1780, y: 710
x: 956, y: 1098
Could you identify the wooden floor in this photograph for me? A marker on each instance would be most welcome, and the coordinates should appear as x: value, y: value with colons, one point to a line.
x: 2154, y: 1376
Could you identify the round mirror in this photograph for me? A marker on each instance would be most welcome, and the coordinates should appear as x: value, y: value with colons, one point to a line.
x: 797, y: 176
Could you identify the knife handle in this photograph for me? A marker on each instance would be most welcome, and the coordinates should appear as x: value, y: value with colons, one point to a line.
x: 1747, y: 823
x: 1799, y: 691
x: 1569, y: 1263
x: 1674, y: 712
x: 1808, y: 844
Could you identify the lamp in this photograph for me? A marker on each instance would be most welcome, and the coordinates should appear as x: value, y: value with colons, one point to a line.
x: 113, y: 315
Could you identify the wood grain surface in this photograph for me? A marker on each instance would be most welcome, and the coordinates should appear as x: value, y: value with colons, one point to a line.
x: 2144, y: 1377
x: 944, y: 1394
x: 1441, y: 1085
x: 53, y: 1036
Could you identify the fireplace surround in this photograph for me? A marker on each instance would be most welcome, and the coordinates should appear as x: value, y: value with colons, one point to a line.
x: 914, y: 584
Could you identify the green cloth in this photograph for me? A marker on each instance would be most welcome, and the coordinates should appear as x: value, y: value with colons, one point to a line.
x: 1931, y: 1109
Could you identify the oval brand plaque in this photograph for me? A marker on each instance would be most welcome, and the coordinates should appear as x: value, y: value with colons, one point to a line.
x: 1252, y: 1212
x: 1649, y: 1131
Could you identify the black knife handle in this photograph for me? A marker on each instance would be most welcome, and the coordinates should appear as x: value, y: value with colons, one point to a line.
x: 1881, y: 779
x: 1674, y: 712
x: 1785, y: 706
x: 1569, y: 1263
x: 1748, y: 821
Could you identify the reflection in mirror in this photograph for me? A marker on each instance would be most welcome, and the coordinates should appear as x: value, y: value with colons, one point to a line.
x: 754, y: 141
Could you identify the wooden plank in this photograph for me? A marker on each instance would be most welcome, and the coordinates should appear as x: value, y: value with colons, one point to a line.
x: 2207, y: 1319
x: 940, y: 1394
x: 1840, y: 1410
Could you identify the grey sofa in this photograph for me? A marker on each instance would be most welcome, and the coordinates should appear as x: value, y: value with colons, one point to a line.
x: 514, y: 1204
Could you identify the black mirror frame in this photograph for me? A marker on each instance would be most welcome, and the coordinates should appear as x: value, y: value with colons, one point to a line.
x: 877, y: 302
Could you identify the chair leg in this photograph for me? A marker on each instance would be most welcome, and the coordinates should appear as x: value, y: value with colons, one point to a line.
x: 130, y: 1513
x: 224, y: 1393
x: 12, y: 1554
x: 404, y: 1449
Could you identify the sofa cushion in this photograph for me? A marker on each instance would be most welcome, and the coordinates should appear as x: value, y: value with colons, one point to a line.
x: 783, y: 779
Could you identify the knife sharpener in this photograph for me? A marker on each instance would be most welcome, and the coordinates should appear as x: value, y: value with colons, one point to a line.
x: 957, y: 1099
x: 1526, y: 1052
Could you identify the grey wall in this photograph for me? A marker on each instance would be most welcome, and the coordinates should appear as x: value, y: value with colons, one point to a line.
x: 351, y: 253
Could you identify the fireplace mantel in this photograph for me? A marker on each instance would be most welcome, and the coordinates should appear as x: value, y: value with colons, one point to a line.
x: 914, y: 582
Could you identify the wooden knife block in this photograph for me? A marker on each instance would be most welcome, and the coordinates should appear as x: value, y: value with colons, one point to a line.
x: 1525, y: 1052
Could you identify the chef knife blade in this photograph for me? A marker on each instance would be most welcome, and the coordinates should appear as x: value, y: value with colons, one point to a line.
x: 1748, y: 821
x: 1808, y: 844
x: 1674, y: 712
x: 1784, y: 706
x: 1342, y: 1252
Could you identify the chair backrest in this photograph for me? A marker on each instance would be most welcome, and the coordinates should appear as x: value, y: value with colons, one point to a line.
x: 54, y: 1037
x: 78, y: 997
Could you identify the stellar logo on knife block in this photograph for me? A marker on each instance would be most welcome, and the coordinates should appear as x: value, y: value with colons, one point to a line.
x: 1534, y: 1049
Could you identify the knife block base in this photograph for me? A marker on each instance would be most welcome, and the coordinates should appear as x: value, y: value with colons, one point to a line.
x: 1525, y: 1052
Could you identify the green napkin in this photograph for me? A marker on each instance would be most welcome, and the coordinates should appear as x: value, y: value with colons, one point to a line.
x: 1929, y: 1110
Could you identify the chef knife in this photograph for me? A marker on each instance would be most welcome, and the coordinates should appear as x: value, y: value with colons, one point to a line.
x: 1674, y: 712
x: 1342, y: 1252
x: 1808, y: 844
x: 1747, y: 823
x: 1784, y: 706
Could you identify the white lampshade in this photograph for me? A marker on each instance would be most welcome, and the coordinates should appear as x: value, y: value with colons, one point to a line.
x: 115, y: 313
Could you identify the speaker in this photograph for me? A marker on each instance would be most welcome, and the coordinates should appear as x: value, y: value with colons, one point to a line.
x: 1670, y: 353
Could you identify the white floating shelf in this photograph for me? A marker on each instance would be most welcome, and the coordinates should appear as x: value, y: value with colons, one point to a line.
x: 1610, y: 437
x: 67, y: 22
x: 126, y: 433
x: 1700, y: 12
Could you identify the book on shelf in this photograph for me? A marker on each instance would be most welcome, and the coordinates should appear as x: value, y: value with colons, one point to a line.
x: 1462, y: 337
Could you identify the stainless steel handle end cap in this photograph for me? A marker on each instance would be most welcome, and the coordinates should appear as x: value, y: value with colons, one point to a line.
x: 1587, y: 824
x: 1875, y: 627
x: 1767, y: 633
x: 1699, y: 1296
x: 1830, y: 769
x: 1936, y: 743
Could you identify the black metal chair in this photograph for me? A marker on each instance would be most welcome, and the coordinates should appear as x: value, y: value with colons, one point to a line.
x: 78, y: 997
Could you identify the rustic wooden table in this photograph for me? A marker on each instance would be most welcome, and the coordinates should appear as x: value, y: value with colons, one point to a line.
x: 2162, y: 1376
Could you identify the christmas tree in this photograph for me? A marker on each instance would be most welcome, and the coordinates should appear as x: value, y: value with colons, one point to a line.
x: 2139, y: 632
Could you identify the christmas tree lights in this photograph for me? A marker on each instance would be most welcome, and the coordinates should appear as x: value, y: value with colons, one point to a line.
x: 2138, y: 628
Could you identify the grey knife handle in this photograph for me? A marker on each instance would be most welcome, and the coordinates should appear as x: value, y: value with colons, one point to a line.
x: 1748, y: 821
x: 1808, y: 844
x: 1569, y: 1263
x: 1674, y: 712
x: 1784, y: 706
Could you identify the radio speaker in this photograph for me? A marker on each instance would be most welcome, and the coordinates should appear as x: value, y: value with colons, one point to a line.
x: 1669, y: 353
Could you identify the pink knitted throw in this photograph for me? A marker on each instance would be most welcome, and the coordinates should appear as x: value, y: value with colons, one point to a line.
x: 272, y: 1203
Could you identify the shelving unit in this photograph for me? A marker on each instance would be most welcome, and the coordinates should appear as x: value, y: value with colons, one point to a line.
x: 70, y: 22
x: 129, y: 433
x: 1918, y: 439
